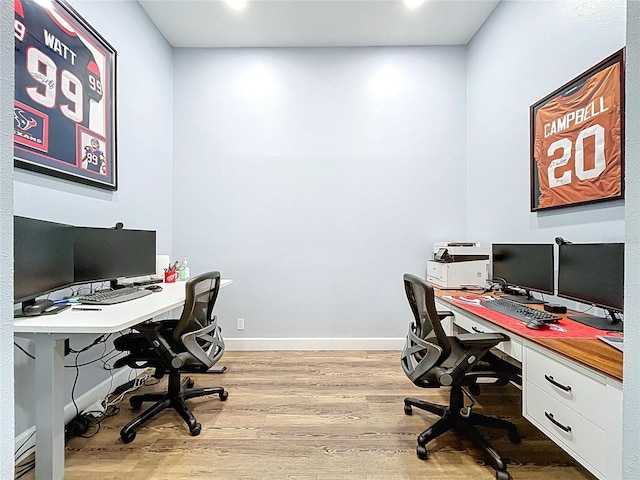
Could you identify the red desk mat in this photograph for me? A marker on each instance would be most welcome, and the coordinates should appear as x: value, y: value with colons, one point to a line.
x: 565, y: 328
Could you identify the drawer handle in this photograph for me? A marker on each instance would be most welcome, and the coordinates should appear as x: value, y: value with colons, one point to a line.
x: 550, y: 379
x: 477, y: 330
x: 557, y: 423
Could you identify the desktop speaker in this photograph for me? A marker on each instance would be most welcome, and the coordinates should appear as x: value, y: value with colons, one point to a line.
x: 555, y: 308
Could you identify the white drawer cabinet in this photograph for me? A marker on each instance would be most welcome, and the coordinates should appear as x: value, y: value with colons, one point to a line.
x: 580, y: 410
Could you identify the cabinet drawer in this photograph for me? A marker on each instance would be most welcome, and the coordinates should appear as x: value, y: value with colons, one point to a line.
x: 587, y: 395
x: 512, y: 348
x: 571, y: 431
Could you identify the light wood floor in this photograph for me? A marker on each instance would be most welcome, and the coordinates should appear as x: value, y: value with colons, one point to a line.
x: 312, y: 416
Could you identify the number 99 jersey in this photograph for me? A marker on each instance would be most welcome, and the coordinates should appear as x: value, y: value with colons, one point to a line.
x: 578, y: 143
x: 56, y: 76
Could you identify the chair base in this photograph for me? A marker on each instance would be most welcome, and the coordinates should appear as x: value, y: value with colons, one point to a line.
x: 174, y: 397
x: 455, y: 416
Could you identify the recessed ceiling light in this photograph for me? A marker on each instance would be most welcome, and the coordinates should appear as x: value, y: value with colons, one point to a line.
x: 413, y: 3
x: 237, y: 4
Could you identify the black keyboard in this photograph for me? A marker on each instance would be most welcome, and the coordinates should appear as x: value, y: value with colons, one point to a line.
x: 520, y: 311
x: 114, y: 296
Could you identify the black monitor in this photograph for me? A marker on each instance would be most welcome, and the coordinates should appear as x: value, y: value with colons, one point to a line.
x: 528, y: 266
x: 593, y: 273
x: 42, y: 258
x: 106, y: 254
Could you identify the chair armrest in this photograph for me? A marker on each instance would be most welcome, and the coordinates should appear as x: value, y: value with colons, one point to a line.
x: 481, y: 339
x: 152, y: 331
x: 212, y: 339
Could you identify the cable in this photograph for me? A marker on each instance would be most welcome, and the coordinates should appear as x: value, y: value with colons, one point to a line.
x: 27, y: 467
x: 24, y: 351
x: 98, y: 340
x: 17, y: 453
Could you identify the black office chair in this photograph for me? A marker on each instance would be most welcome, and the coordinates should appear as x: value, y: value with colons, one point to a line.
x: 192, y: 343
x: 431, y: 359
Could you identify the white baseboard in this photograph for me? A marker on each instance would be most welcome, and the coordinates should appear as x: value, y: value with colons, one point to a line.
x: 239, y: 344
x: 88, y: 399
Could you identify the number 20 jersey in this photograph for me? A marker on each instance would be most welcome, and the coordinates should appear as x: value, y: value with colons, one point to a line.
x: 578, y: 143
x: 55, y: 74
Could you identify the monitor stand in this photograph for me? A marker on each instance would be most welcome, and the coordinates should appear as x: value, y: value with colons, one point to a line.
x: 525, y: 299
x: 613, y: 324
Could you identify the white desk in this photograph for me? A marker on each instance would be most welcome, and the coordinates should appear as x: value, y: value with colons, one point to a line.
x: 49, y: 332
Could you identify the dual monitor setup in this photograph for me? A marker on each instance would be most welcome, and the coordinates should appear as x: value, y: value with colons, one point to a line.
x: 590, y: 273
x: 49, y: 256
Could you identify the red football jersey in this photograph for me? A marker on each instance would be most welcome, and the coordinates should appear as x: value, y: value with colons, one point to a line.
x: 578, y: 143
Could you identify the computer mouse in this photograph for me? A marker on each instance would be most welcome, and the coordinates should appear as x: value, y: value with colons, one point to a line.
x: 536, y: 325
x: 154, y: 288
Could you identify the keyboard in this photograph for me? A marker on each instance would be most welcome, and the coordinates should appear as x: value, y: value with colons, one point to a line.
x: 114, y: 296
x: 520, y: 311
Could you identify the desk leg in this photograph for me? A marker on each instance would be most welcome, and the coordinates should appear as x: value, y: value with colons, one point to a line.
x: 49, y: 400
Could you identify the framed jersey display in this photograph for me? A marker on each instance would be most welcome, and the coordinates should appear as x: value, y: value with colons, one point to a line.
x: 577, y: 139
x: 64, y: 102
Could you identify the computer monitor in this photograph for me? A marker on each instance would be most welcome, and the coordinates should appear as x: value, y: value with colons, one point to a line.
x: 106, y: 254
x: 42, y: 258
x: 593, y: 273
x: 525, y: 265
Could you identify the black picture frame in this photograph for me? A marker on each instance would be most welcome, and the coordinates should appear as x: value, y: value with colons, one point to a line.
x: 65, y: 96
x: 577, y: 139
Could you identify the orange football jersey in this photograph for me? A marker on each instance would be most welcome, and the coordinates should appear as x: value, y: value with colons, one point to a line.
x: 578, y: 143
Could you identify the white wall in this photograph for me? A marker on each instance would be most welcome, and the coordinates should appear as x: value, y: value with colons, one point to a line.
x: 315, y: 178
x: 143, y: 199
x: 6, y: 240
x: 525, y: 50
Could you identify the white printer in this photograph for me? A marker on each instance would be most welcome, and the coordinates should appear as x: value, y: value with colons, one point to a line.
x: 458, y: 265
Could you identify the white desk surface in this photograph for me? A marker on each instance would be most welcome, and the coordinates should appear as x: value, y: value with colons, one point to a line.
x: 111, y: 318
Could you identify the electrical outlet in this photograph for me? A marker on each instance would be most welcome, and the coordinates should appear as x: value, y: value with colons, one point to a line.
x: 240, y: 324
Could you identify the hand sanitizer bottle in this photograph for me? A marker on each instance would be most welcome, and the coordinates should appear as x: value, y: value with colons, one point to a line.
x: 185, y: 269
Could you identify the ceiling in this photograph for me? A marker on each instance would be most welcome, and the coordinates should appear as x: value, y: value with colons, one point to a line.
x: 317, y: 23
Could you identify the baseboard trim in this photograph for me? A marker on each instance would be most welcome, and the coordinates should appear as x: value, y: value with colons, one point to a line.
x: 240, y: 344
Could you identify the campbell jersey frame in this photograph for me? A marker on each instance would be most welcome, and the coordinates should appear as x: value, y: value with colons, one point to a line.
x: 577, y: 139
x: 65, y: 96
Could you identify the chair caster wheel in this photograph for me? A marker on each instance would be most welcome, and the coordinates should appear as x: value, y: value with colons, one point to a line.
x: 128, y: 437
x: 195, y: 431
x: 422, y: 452
x: 224, y: 395
x: 514, y: 437
x: 408, y: 410
x: 502, y: 475
x: 135, y: 403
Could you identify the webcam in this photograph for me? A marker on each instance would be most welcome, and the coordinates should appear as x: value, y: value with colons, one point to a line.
x: 120, y: 226
x: 562, y: 241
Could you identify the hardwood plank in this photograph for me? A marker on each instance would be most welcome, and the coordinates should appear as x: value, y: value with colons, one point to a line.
x: 312, y: 416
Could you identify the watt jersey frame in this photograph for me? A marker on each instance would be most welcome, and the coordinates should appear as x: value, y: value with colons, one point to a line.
x: 64, y: 104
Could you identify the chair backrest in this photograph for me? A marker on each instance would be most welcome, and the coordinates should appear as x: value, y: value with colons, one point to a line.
x: 421, y: 299
x: 201, y: 294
